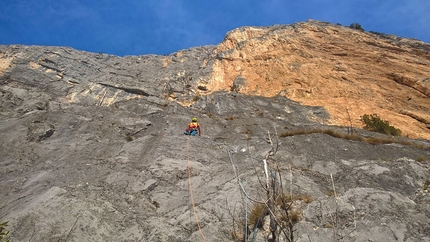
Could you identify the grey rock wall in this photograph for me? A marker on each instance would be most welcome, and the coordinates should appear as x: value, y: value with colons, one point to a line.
x: 92, y: 150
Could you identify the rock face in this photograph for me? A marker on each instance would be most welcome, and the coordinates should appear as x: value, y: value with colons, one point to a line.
x: 92, y: 145
x: 343, y: 69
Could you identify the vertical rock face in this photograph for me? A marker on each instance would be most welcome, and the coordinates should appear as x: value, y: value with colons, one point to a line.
x: 99, y: 79
x: 343, y: 69
x: 347, y: 71
x: 92, y: 145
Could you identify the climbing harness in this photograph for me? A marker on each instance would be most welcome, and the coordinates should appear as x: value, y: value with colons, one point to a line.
x: 192, y: 128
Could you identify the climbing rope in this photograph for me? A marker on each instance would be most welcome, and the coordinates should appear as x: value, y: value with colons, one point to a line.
x: 191, y: 191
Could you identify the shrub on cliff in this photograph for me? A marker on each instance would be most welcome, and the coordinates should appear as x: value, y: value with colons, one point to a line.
x: 4, y: 234
x: 356, y: 26
x: 373, y: 122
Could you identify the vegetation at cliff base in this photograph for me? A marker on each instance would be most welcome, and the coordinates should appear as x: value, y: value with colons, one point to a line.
x: 373, y: 122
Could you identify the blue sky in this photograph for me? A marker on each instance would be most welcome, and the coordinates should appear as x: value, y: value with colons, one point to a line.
x: 138, y: 27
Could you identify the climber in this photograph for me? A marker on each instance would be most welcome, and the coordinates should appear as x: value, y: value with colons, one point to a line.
x: 193, y: 128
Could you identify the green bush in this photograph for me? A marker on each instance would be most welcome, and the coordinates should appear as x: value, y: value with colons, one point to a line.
x: 356, y: 26
x: 4, y: 234
x: 373, y: 122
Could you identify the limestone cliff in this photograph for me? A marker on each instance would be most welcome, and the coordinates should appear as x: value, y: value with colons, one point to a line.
x: 347, y: 71
x: 92, y: 145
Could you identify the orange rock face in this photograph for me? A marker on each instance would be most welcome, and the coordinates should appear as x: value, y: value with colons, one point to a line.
x: 349, y: 72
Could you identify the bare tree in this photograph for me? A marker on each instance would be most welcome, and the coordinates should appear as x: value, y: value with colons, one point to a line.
x: 277, y: 204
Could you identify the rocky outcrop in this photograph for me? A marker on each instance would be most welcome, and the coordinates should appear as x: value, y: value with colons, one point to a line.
x: 101, y: 79
x: 349, y: 72
x: 92, y: 145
